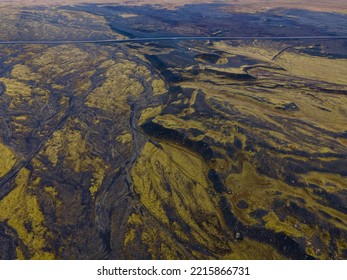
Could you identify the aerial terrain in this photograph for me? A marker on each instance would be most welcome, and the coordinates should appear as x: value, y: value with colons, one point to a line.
x: 172, y: 148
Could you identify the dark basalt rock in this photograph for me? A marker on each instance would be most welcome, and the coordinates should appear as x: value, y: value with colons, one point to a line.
x: 208, y: 57
x: 200, y: 104
x: 228, y: 215
x: 158, y: 131
x: 242, y: 204
x: 217, y: 184
x: 237, y: 143
x: 282, y: 242
x: 291, y: 106
x: 7, y: 246
x: 259, y: 213
x: 227, y: 75
x: 304, y: 215
x: 195, y: 132
x: 2, y: 89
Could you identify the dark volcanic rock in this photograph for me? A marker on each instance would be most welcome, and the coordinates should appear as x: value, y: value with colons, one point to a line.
x: 156, y: 130
x: 208, y: 57
x: 2, y: 88
x: 7, y: 246
x: 291, y: 106
x: 242, y: 204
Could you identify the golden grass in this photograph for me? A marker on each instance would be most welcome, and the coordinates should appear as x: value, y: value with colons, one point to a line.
x: 149, y: 112
x: 170, y: 181
x: 113, y: 93
x: 7, y: 159
x: 21, y: 207
x: 128, y: 15
x: 17, y: 89
x: 316, y: 68
x: 144, y: 229
x: 124, y: 138
x: 259, y: 192
x: 68, y: 144
x: 158, y: 87
x: 23, y: 72
x: 185, y: 175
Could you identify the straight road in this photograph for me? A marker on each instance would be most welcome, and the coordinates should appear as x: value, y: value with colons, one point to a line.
x: 180, y: 38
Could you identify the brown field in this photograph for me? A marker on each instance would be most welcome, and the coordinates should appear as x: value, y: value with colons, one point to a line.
x: 339, y: 6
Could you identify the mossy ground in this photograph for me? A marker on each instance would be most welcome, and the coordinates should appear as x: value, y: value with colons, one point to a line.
x: 172, y: 150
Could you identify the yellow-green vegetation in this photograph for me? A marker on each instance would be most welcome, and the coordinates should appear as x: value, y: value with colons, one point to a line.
x: 220, y: 60
x: 124, y: 138
x: 254, y: 50
x: 258, y: 190
x: 17, y: 90
x: 118, y: 86
x: 158, y: 87
x: 160, y: 242
x: 174, y: 122
x: 296, y: 64
x: 251, y: 249
x: 68, y: 144
x: 23, y: 72
x: 50, y: 68
x: 64, y: 60
x: 174, y: 178
x: 326, y: 116
x: 52, y: 23
x: 128, y: 15
x: 317, y: 68
x: 168, y: 150
x: 22, y: 212
x: 7, y: 160
x: 149, y: 113
x: 330, y: 182
x: 184, y: 189
x: 271, y: 108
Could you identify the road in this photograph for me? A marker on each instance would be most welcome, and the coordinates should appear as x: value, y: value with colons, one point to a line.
x: 179, y: 38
